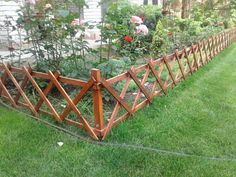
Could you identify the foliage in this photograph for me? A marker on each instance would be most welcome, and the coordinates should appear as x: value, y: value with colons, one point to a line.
x: 160, y: 40
x: 56, y: 35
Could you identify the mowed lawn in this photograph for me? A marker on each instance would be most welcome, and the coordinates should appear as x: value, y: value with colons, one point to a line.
x: 198, y: 117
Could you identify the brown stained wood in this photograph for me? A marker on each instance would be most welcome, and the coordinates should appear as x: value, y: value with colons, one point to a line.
x: 169, y: 70
x: 186, y: 56
x: 153, y: 89
x: 179, y: 63
x: 70, y: 81
x: 40, y: 75
x: 194, y: 57
x: 41, y: 111
x: 170, y: 57
x: 223, y: 38
x: 177, y: 75
x: 74, y: 123
x: 222, y: 42
x: 116, y: 109
x: 41, y: 94
x: 138, y: 83
x: 140, y: 68
x: 141, y: 105
x: 213, y: 46
x: 23, y: 85
x: 3, y: 78
x: 209, y: 49
x: 158, y: 61
x: 139, y: 94
x: 46, y: 91
x: 70, y: 102
x: 186, y: 67
x: 97, y: 99
x: 160, y: 69
x: 205, y: 51
x: 117, y: 78
x: 8, y: 95
x: 217, y: 44
x: 78, y: 97
x: 200, y: 53
x: 116, y: 96
x: 157, y: 77
x: 157, y: 93
x: 226, y: 39
x: 121, y: 119
x: 168, y: 78
x: 26, y: 99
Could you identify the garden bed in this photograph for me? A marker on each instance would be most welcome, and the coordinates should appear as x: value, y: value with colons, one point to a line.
x: 99, y: 104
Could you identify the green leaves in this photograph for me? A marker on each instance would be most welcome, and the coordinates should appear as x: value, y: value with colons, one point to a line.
x: 63, y: 13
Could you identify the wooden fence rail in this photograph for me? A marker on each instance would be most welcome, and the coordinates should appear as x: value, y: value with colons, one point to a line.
x: 19, y: 85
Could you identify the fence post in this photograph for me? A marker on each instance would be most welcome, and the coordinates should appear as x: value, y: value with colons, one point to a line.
x: 97, y: 101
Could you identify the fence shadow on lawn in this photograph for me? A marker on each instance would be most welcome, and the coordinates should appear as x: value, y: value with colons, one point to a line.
x: 128, y: 92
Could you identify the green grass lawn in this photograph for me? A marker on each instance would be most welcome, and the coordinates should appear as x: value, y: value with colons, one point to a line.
x: 198, y: 117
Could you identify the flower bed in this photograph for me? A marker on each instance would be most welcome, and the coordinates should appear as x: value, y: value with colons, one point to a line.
x: 113, y: 100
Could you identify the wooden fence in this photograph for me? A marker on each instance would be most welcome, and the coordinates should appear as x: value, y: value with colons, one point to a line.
x: 129, y: 91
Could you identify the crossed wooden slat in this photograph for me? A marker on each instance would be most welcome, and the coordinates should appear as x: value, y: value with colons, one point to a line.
x: 73, y: 107
x: 202, y: 53
x: 43, y: 95
x: 18, y: 87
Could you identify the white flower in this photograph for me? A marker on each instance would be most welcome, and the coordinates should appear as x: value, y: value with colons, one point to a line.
x: 48, y: 6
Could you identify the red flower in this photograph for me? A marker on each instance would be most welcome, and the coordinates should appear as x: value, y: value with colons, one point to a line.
x: 128, y: 39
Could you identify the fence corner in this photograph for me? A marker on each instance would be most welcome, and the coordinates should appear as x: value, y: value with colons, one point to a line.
x: 97, y: 101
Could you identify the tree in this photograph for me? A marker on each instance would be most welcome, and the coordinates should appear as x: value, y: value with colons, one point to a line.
x: 184, y: 9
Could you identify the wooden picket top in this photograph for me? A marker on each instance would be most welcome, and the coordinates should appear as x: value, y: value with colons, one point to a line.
x: 152, y: 79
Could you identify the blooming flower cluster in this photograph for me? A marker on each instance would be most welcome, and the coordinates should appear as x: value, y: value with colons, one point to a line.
x: 140, y: 28
x: 136, y: 20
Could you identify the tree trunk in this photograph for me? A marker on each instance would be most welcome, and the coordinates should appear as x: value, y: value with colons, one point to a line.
x: 184, y: 8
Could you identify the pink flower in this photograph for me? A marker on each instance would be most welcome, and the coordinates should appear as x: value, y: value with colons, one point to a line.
x: 136, y: 20
x: 77, y: 22
x: 142, y: 29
